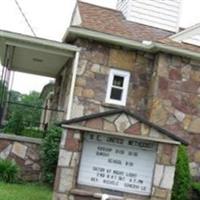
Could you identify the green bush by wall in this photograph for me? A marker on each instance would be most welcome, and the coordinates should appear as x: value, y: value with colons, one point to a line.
x: 50, y: 151
x: 182, y: 180
x: 9, y: 171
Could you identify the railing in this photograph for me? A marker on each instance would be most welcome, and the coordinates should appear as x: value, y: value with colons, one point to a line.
x: 28, y: 119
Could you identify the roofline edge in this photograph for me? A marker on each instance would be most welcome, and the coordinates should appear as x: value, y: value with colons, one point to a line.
x: 154, y: 47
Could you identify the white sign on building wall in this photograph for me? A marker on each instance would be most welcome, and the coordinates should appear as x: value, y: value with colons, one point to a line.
x: 116, y: 163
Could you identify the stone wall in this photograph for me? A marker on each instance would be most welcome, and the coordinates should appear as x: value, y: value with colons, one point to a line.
x: 163, y: 87
x: 25, y: 152
x: 96, y: 60
x: 175, y: 102
x: 66, y: 187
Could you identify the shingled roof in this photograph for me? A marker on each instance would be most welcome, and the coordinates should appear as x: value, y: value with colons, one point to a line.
x: 113, y: 22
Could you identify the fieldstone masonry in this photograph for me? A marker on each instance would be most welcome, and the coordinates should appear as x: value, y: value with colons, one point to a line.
x: 121, y: 124
x: 163, y: 88
x: 25, y: 152
x: 96, y: 60
x: 175, y: 101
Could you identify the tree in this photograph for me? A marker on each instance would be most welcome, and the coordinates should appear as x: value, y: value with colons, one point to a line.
x: 24, y: 112
x: 14, y: 96
x: 32, y: 111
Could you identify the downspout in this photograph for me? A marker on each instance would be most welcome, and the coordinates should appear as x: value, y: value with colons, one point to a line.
x: 73, y: 82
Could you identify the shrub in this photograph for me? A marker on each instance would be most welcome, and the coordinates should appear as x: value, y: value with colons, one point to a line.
x: 50, y: 151
x: 196, y: 187
x: 34, y: 133
x: 182, y: 180
x: 9, y: 171
x: 195, y: 192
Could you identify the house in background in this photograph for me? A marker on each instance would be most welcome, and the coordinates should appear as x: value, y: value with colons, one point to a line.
x: 47, y: 97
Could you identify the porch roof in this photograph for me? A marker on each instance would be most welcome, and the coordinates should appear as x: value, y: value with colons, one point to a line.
x: 34, y: 55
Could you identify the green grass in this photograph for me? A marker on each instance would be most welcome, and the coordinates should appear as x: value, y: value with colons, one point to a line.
x: 28, y: 191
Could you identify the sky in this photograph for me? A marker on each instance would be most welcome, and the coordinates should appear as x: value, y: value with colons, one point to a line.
x: 50, y: 19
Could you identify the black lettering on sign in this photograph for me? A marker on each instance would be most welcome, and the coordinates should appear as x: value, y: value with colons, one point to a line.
x: 119, y: 151
x: 121, y: 178
x: 140, y: 144
x: 131, y: 175
x: 109, y: 170
x: 99, y: 153
x: 114, y: 140
x: 117, y: 172
x: 91, y: 136
x: 115, y: 161
x: 130, y: 185
x: 98, y: 169
x: 129, y: 164
x: 93, y: 179
x: 99, y: 138
x: 106, y: 149
x: 109, y: 182
x: 140, y: 181
x: 101, y: 175
x: 131, y: 153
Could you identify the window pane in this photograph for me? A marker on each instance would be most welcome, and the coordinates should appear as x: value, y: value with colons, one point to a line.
x: 118, y: 81
x: 116, y: 94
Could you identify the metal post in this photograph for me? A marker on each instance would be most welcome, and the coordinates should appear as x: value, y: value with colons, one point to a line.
x: 6, y: 79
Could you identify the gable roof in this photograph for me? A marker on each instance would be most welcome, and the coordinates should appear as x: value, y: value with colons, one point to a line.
x: 113, y: 22
x: 110, y: 26
x: 189, y: 35
x: 134, y: 115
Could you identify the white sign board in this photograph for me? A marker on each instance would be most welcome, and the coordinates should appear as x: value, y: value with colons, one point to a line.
x: 118, y: 164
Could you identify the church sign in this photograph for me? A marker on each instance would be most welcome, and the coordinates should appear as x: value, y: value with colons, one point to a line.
x: 116, y: 163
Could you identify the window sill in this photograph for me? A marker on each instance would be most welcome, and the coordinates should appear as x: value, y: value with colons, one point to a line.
x: 112, y: 106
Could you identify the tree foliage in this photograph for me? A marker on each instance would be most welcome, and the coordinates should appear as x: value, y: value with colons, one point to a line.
x: 24, y: 112
x: 182, y: 180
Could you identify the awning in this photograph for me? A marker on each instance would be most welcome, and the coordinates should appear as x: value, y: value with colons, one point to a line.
x: 34, y: 55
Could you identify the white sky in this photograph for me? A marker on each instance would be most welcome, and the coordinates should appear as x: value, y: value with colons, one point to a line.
x: 50, y: 19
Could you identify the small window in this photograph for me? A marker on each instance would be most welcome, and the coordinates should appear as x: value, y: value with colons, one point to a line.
x: 117, y: 88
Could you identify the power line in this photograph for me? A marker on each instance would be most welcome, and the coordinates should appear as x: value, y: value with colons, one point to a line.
x: 25, y: 18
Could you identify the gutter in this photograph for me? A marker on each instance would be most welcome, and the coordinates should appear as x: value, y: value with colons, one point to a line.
x: 19, y: 38
x: 176, y: 51
x: 152, y: 47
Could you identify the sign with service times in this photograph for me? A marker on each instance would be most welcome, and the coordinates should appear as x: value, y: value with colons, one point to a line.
x: 117, y: 163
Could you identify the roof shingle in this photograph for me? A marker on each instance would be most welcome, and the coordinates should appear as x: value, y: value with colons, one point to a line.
x: 112, y: 22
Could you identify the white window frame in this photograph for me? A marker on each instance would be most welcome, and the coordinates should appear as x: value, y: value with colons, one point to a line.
x: 126, y: 75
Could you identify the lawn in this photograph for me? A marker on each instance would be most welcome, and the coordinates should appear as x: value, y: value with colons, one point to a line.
x: 28, y: 191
